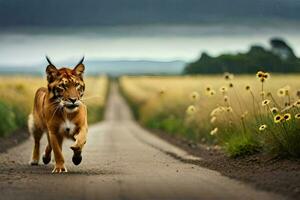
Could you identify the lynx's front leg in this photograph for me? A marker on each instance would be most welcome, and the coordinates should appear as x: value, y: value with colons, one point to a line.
x: 80, y: 140
x: 56, y: 144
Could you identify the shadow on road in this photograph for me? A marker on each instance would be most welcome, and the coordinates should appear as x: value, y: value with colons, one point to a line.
x: 46, y: 170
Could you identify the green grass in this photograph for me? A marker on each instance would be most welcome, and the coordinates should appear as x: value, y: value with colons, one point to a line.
x: 95, y: 114
x: 9, y: 121
x: 239, y: 145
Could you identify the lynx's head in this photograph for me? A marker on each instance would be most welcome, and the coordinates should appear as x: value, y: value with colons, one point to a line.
x: 66, y: 85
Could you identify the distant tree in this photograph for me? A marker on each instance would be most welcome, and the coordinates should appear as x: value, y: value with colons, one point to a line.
x: 280, y: 58
x: 280, y: 47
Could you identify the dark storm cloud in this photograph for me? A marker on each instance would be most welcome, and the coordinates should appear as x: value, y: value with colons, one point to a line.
x: 116, y: 12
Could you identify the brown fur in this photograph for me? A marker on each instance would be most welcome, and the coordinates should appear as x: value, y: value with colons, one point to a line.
x: 59, y: 112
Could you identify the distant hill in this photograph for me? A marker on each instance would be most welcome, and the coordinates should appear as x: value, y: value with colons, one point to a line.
x: 120, y: 67
x: 110, y: 67
x: 126, y: 12
x: 279, y: 58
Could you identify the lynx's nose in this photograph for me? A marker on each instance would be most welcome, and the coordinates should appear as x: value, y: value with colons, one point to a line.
x: 72, y: 100
x: 72, y: 103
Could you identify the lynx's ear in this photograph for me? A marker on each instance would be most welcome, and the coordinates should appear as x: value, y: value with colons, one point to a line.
x: 51, y: 71
x: 79, y: 69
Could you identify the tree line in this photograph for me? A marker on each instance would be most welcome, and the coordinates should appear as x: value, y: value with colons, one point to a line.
x: 280, y: 58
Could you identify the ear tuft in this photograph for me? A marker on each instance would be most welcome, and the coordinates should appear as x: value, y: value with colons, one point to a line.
x: 79, y: 69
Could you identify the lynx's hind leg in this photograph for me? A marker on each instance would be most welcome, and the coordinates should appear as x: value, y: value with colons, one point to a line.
x: 37, y: 135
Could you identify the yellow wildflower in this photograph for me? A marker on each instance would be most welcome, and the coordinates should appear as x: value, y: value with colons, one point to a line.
x: 287, y: 116
x: 216, y: 111
x: 280, y: 92
x: 265, y: 102
x: 297, y: 103
x: 262, y: 76
x: 277, y: 118
x: 266, y: 75
x: 225, y: 98
x: 212, y: 92
x: 213, y: 119
x: 208, y: 88
x: 262, y: 127
x: 191, y: 110
x: 229, y: 109
x: 228, y: 76
x: 194, y: 96
x: 259, y: 74
x: 274, y: 110
x: 214, y: 131
x: 223, y: 89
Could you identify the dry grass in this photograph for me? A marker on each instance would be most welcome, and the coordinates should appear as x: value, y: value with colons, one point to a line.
x: 184, y: 105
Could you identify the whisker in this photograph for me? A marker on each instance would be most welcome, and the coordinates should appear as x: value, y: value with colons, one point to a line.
x: 55, y: 102
x: 91, y: 97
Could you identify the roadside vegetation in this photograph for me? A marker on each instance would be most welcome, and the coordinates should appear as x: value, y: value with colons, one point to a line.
x: 244, y: 115
x: 95, y: 97
x: 17, y: 93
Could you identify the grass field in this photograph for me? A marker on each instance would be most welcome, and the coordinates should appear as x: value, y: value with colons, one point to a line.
x: 243, y: 114
x: 17, y: 93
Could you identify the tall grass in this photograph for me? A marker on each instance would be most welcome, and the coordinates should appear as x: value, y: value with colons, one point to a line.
x: 236, y: 113
x: 16, y: 97
x: 17, y: 93
x: 95, y: 97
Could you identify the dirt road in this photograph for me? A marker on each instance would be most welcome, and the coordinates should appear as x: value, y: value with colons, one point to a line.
x: 121, y: 161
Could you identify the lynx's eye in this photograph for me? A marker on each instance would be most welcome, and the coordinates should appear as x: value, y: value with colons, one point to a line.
x: 62, y: 86
x: 58, y: 91
x: 78, y: 86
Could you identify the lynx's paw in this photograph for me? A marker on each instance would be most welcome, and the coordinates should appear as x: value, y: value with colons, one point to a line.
x: 34, y: 162
x: 59, y: 169
x: 46, y: 159
x: 77, y: 158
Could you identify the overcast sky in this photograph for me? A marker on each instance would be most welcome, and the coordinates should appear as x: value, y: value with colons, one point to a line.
x: 150, y: 42
x: 123, y: 12
x: 140, y: 29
